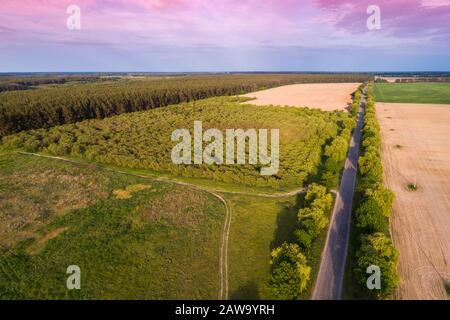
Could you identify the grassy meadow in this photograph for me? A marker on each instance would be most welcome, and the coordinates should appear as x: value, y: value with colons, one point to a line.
x: 133, y: 238
x: 420, y: 92
x: 259, y: 225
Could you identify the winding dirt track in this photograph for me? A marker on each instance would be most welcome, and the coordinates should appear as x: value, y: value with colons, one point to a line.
x: 416, y: 149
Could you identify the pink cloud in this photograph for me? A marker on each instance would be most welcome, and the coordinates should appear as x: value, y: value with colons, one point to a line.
x: 401, y: 18
x: 136, y: 24
x: 161, y: 21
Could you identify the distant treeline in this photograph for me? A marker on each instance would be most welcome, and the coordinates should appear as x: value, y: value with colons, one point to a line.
x: 25, y: 83
x: 415, y: 79
x: 46, y: 107
x: 12, y: 84
x: 405, y: 80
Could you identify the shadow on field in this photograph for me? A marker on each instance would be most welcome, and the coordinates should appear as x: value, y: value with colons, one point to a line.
x: 248, y: 291
x: 286, y: 223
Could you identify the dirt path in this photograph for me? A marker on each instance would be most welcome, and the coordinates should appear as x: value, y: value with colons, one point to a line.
x: 330, y: 280
x: 223, y: 295
x: 416, y: 149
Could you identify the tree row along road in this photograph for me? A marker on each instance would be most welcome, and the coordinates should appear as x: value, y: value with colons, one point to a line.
x: 330, y: 280
x: 223, y: 261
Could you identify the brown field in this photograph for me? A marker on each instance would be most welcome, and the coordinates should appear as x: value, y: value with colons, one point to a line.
x: 416, y: 149
x: 325, y: 96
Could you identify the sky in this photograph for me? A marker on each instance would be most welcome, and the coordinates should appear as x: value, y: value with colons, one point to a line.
x: 223, y: 35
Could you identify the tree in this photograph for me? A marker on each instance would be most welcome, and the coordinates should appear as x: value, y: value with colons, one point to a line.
x: 289, y: 272
x: 383, y: 197
x: 369, y: 216
x: 311, y: 218
x: 317, y: 197
x: 377, y: 249
x: 370, y: 166
x: 336, y: 152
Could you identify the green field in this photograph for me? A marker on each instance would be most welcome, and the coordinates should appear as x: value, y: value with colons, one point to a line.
x: 133, y: 238
x: 426, y: 92
x: 258, y: 225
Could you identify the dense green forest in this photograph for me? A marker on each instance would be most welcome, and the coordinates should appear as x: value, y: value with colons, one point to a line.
x: 55, y: 105
x: 143, y: 139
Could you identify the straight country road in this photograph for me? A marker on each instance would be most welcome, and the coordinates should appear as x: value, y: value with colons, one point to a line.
x: 331, y: 274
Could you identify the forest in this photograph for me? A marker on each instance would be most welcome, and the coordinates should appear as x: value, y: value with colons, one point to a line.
x: 142, y: 140
x: 60, y: 104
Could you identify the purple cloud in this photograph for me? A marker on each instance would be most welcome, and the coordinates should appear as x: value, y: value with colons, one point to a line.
x: 401, y: 18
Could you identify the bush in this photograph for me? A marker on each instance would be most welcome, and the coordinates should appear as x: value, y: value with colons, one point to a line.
x: 32, y: 145
x: 312, y: 217
x: 289, y: 272
x: 369, y: 216
x: 377, y: 249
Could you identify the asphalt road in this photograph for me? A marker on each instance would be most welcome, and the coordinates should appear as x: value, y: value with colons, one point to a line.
x: 331, y: 274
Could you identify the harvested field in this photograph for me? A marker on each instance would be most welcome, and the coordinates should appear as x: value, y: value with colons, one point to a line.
x: 416, y: 151
x: 324, y: 96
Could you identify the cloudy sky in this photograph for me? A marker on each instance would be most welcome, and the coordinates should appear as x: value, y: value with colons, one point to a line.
x: 224, y: 35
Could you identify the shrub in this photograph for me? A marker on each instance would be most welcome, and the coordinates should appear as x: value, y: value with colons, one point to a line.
x: 377, y: 249
x: 32, y: 144
x: 289, y: 272
x: 312, y: 217
x: 369, y: 216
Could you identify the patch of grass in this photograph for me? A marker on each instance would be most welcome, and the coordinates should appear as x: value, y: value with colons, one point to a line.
x: 412, y: 187
x: 257, y: 226
x: 425, y: 92
x: 129, y: 190
x: 447, y: 287
x: 33, y: 191
x: 161, y: 243
x: 398, y: 146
